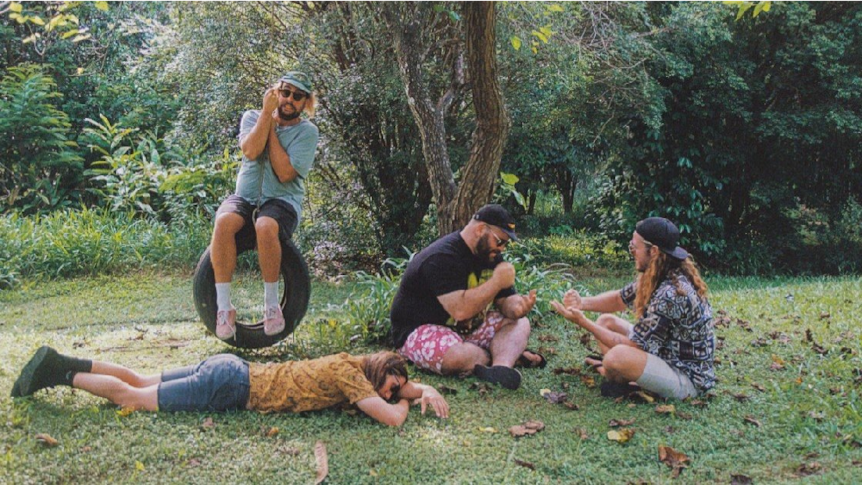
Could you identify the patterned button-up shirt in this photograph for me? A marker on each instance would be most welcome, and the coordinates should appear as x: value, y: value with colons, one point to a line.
x: 677, y: 328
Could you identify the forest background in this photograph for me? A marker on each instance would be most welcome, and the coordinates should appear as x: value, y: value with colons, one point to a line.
x: 118, y: 126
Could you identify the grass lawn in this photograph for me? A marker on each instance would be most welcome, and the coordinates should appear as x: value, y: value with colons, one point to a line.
x: 789, y: 362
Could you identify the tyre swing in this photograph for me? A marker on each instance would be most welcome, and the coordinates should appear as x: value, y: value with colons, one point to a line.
x: 294, y: 301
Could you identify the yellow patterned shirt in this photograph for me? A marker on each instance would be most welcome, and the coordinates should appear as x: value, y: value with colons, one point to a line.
x: 308, y: 385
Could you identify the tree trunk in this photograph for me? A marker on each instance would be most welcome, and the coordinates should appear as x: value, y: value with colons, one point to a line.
x: 479, y: 175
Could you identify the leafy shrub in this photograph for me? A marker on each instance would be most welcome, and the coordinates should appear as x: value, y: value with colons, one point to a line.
x: 367, y: 310
x: 88, y: 242
x: 40, y: 169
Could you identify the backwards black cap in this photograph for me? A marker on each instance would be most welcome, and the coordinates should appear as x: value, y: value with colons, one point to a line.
x: 661, y: 232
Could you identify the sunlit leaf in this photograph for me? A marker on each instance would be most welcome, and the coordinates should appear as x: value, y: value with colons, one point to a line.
x: 509, y: 178
x: 488, y: 429
x: 139, y: 466
x: 621, y: 435
x: 555, y: 8
x: 665, y: 409
x: 81, y: 37
x: 516, y: 42
x: 15, y: 7
x: 103, y: 6
x: 47, y: 439
x: 69, y: 33
x: 541, y: 36
x: 37, y: 20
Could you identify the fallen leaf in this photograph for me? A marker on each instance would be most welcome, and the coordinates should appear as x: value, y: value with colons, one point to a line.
x: 208, y: 423
x: 683, y: 415
x: 806, y: 469
x: 581, y: 432
x: 824, y: 315
x: 588, y: 381
x: 669, y: 429
x: 526, y: 428
x: 47, y: 439
x: 750, y: 420
x: 665, y: 409
x: 525, y: 464
x: 586, y: 339
x: 759, y: 342
x: 193, y: 462
x: 322, y: 462
x: 740, y: 397
x: 555, y: 397
x: 644, y: 396
x: 271, y: 432
x: 139, y: 466
x: 86, y: 449
x: 481, y: 387
x: 548, y: 338
x: 699, y: 403
x: 488, y: 429
x: 620, y: 422
x: 447, y: 390
x: 571, y: 405
x: 759, y: 387
x: 740, y: 480
x: 798, y: 380
x: 672, y: 458
x: 819, y: 349
x: 777, y: 362
x: 621, y: 435
x: 808, y: 336
x: 125, y: 412
x: 744, y: 324
x: 544, y: 392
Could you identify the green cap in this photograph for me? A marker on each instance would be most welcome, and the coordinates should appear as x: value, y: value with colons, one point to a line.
x: 298, y: 79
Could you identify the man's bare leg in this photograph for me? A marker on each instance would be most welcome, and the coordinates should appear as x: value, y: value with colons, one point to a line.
x: 509, y: 342
x: 624, y: 364
x: 614, y: 324
x: 223, y: 246
x: 268, y: 248
x: 117, y: 391
x: 461, y: 359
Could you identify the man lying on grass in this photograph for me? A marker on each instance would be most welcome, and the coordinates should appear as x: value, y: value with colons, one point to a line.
x: 669, y: 351
x: 225, y: 382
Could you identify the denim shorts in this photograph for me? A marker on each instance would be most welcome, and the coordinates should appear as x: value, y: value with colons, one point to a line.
x: 219, y: 383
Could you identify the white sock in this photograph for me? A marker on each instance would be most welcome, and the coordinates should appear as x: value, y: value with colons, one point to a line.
x: 270, y: 294
x: 223, y: 296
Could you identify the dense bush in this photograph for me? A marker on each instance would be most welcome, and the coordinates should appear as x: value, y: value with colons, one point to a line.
x: 88, y: 242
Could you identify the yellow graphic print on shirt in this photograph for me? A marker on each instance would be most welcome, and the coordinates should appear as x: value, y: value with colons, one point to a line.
x: 467, y: 326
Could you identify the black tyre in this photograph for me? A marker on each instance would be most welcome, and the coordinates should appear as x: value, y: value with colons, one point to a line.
x: 294, y: 301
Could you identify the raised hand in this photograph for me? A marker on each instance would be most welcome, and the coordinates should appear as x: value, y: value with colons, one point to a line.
x: 504, y: 274
x: 571, y: 314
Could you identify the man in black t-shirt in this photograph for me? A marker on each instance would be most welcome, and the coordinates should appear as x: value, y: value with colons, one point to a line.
x: 457, y: 310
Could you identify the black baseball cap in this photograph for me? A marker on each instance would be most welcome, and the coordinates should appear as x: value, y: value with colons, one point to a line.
x: 660, y: 232
x: 496, y: 215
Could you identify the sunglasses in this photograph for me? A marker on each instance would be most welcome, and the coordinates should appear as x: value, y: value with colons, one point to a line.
x: 297, y: 95
x: 500, y: 243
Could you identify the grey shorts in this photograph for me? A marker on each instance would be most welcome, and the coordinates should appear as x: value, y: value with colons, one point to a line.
x: 665, y: 380
x: 219, y: 383
x: 283, y: 213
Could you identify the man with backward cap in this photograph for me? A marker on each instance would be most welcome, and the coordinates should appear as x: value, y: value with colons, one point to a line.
x: 669, y: 350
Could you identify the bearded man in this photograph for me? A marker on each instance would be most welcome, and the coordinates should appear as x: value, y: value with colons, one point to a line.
x: 278, y: 150
x: 457, y: 311
x: 670, y: 348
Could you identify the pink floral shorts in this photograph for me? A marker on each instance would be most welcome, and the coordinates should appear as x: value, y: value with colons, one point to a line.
x: 427, y: 345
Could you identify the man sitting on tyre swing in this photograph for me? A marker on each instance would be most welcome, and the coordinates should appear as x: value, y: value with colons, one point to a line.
x: 278, y: 150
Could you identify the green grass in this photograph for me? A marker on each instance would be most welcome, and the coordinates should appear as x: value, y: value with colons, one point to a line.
x: 147, y: 321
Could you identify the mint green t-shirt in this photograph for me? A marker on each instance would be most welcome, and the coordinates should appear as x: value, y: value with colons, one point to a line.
x: 300, y: 143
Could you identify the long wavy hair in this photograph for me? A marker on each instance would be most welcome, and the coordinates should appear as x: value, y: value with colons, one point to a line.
x: 379, y: 366
x: 658, y: 270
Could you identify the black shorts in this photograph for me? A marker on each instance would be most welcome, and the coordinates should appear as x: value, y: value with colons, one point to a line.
x: 283, y: 213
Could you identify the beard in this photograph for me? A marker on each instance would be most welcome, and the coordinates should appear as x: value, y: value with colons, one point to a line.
x: 488, y: 256
x: 284, y: 116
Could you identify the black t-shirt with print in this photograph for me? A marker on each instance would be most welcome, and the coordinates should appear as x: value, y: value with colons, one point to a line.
x: 443, y: 267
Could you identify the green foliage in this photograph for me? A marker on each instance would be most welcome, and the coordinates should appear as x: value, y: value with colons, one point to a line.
x: 90, y: 242
x: 367, y: 308
x: 40, y: 169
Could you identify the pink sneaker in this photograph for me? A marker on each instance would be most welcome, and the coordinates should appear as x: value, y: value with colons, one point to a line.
x: 273, y: 321
x: 226, y: 324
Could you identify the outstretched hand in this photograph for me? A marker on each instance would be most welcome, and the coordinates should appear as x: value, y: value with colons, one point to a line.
x: 432, y: 397
x: 572, y: 299
x: 570, y: 313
